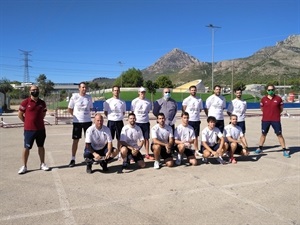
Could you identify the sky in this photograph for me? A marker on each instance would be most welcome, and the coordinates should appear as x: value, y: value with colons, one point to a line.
x: 78, y: 40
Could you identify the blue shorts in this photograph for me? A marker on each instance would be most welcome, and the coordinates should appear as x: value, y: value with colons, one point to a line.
x: 30, y: 135
x: 215, y: 147
x: 265, y: 126
x: 115, y: 128
x: 196, y: 126
x: 101, y: 152
x: 242, y: 125
x: 77, y: 129
x: 145, y: 127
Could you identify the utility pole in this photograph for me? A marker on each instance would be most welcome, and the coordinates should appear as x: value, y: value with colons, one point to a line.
x: 121, y: 64
x: 232, y: 81
x: 212, y: 27
x: 26, y: 71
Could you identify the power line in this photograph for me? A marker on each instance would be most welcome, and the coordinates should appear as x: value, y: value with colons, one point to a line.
x: 26, y: 70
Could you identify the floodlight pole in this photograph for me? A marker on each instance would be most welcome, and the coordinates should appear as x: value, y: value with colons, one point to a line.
x: 212, y: 27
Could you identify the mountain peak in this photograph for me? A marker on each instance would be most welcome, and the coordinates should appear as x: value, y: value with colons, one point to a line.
x: 291, y: 41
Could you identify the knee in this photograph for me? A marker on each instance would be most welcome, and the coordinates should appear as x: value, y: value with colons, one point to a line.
x: 206, y: 154
x: 193, y: 161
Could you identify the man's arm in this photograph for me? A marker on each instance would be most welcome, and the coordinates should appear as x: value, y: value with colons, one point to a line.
x: 21, y: 115
x: 206, y: 111
x: 156, y: 108
x: 70, y: 111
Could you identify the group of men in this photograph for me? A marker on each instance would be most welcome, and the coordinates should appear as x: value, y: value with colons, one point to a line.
x: 217, y: 139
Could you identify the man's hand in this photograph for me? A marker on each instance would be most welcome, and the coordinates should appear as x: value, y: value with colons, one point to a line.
x: 97, y: 157
x: 215, y: 154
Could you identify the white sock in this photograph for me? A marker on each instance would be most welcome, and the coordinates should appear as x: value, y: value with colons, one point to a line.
x: 73, y: 157
x: 179, y: 156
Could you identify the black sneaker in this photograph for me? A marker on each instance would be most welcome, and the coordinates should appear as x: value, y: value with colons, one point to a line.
x: 72, y: 163
x: 103, y: 164
x: 89, y: 168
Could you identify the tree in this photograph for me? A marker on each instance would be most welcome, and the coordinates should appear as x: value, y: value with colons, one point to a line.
x: 164, y: 82
x: 151, y: 86
x: 130, y: 78
x: 46, y: 86
x: 239, y: 84
x: 5, y: 87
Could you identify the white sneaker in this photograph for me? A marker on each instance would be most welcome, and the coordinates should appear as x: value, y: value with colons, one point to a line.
x: 156, y: 165
x: 44, y: 167
x: 198, y: 153
x: 178, y: 162
x: 22, y: 170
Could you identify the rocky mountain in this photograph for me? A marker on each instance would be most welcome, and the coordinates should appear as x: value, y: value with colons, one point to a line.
x: 268, y: 64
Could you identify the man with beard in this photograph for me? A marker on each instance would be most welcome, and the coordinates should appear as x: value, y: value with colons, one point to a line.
x: 238, y: 107
x: 215, y: 104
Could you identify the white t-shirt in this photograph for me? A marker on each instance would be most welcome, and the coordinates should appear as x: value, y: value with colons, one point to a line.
x: 98, y: 138
x: 210, y: 136
x: 131, y: 135
x: 235, y: 132
x: 162, y: 133
x: 81, y: 106
x: 115, y: 109
x: 194, y: 106
x: 238, y: 107
x: 215, y: 105
x: 183, y: 133
x: 141, y: 109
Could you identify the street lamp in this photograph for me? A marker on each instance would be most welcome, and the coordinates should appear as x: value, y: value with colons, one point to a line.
x: 212, y: 27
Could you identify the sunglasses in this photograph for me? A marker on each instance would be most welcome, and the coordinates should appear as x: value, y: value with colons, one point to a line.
x: 270, y: 89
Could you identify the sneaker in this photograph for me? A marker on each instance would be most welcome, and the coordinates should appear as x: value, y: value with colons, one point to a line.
x: 156, y: 165
x: 204, y: 160
x: 198, y: 153
x: 221, y: 160
x: 178, y: 162
x: 72, y: 163
x: 124, y: 165
x: 225, y: 154
x: 22, y: 170
x: 103, y: 164
x: 44, y: 167
x: 89, y: 168
x: 258, y: 151
x: 232, y: 160
x: 286, y: 154
x: 149, y: 157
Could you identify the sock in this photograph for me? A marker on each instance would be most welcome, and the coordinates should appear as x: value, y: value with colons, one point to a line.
x: 260, y: 147
x: 284, y: 149
x: 179, y: 156
x: 73, y: 158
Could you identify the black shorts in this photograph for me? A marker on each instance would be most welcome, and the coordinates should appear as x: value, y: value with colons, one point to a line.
x: 187, y: 151
x: 215, y: 147
x: 220, y: 125
x: 145, y: 127
x: 196, y: 126
x: 115, y: 128
x: 77, y: 129
x: 242, y: 125
x: 138, y: 157
x: 30, y: 135
x: 101, y: 152
x: 163, y: 152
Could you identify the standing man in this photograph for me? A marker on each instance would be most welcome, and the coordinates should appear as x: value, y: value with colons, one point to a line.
x: 167, y: 106
x: 193, y: 106
x: 184, y: 138
x: 132, y: 141
x: 215, y: 104
x: 114, y: 110
x: 238, y: 107
x: 162, y: 142
x: 271, y: 106
x: 80, y: 107
x: 98, y: 145
x: 141, y: 107
x: 236, y: 139
x: 32, y: 112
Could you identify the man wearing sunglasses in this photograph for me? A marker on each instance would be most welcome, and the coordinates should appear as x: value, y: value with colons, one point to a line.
x: 271, y: 106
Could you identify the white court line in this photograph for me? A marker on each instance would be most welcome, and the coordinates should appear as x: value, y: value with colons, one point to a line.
x: 62, y: 196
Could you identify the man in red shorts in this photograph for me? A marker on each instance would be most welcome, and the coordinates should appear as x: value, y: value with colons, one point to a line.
x: 32, y: 112
x: 271, y: 106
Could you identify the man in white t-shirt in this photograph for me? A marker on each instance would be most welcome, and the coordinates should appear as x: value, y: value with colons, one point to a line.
x: 80, y: 106
x: 114, y: 110
x: 238, y: 107
x: 193, y: 106
x: 132, y: 141
x: 235, y: 136
x: 98, y: 145
x: 215, y: 104
x: 141, y: 107
x: 162, y: 142
x: 212, y: 141
x: 184, y: 138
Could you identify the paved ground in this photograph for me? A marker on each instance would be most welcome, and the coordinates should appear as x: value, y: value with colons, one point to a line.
x: 262, y: 191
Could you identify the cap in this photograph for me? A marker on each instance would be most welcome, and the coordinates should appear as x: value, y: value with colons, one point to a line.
x: 141, y: 89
